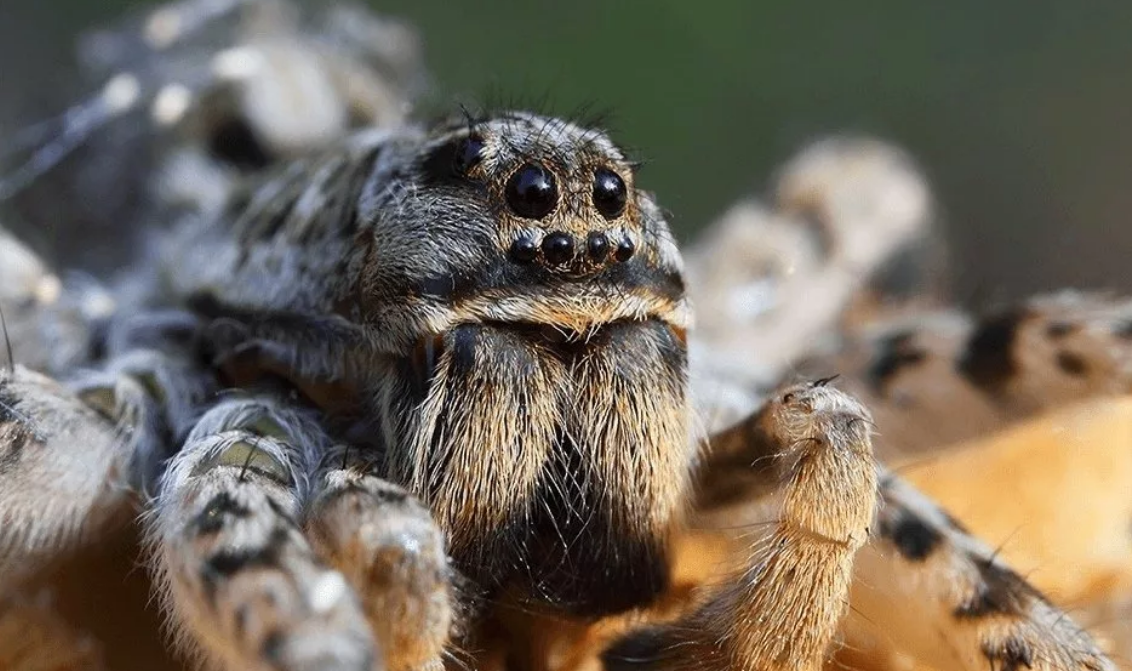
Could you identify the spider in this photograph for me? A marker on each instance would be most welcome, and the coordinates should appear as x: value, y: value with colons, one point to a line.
x: 385, y: 393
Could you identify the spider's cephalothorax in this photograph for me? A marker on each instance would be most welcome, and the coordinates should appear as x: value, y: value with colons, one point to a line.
x: 517, y: 314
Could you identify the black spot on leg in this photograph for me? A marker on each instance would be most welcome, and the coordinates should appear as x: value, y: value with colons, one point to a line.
x: 385, y: 496
x: 1072, y: 364
x: 1010, y: 655
x: 896, y: 352
x: 217, y: 513
x: 272, y: 649
x: 228, y: 562
x: 988, y: 360
x: 282, y: 513
x: 999, y: 592
x: 912, y: 536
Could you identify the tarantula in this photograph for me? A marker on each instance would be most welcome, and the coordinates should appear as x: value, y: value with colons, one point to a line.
x: 403, y: 395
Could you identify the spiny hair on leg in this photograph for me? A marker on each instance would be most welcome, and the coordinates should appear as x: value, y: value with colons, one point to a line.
x: 241, y: 584
x: 272, y: 413
x: 389, y: 548
x: 784, y: 609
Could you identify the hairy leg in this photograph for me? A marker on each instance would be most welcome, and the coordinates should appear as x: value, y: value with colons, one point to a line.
x: 783, y: 610
x: 922, y: 585
x: 923, y: 574
x: 388, y: 547
x: 241, y: 583
x: 63, y: 473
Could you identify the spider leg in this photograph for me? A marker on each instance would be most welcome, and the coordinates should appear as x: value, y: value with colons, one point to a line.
x: 924, y: 573
x: 1001, y: 367
x: 846, y: 230
x: 74, y: 458
x: 922, y: 583
x: 152, y: 396
x: 389, y: 548
x: 291, y: 345
x: 241, y: 583
x: 783, y: 610
x: 63, y: 473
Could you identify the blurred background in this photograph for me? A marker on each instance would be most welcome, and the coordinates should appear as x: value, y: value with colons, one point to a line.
x: 1017, y: 109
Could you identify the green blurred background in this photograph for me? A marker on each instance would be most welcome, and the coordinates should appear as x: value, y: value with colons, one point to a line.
x: 1017, y: 109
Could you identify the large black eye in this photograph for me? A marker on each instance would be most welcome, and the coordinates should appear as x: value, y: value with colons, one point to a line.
x: 468, y: 154
x: 531, y: 193
x: 609, y: 193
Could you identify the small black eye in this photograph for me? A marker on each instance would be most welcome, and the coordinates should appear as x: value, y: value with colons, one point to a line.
x: 524, y: 249
x: 558, y: 248
x: 531, y: 193
x: 468, y: 154
x: 609, y: 193
x: 625, y: 250
x: 597, y: 246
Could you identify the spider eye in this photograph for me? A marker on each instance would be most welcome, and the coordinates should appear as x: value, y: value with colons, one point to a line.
x: 597, y: 246
x: 468, y: 153
x: 609, y: 193
x: 558, y: 248
x: 524, y: 249
x: 531, y: 192
x: 625, y: 250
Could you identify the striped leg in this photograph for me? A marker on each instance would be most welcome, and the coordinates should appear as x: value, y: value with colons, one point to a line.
x: 242, y: 585
x: 945, y: 598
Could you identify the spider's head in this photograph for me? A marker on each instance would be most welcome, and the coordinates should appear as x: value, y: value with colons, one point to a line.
x: 561, y: 199
x: 538, y: 300
x: 521, y: 218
